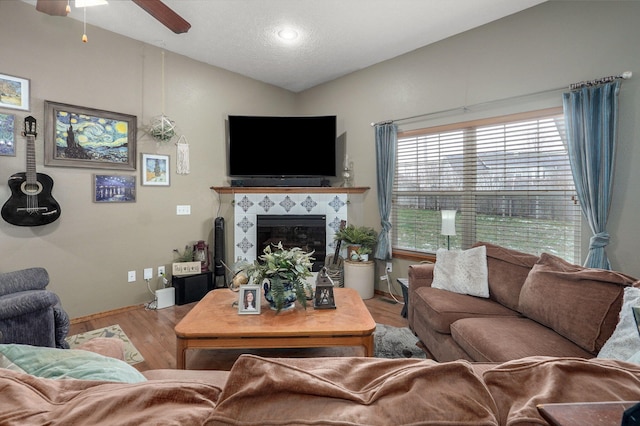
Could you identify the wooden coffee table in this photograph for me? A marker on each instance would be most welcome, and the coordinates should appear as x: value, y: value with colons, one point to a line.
x: 215, y: 324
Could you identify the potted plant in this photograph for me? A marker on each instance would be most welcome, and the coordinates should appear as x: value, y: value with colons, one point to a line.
x: 282, y: 273
x: 358, y: 272
x: 363, y: 253
x: 357, y: 237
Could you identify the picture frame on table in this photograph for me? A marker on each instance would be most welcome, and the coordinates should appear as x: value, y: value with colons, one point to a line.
x: 77, y: 136
x: 15, y: 92
x: 7, y: 135
x: 249, y: 300
x: 155, y: 170
x: 114, y: 188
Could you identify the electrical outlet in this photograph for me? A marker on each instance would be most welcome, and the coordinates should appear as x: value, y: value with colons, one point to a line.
x: 184, y: 268
x: 161, y: 270
x: 148, y: 273
x: 389, y: 267
x: 131, y: 276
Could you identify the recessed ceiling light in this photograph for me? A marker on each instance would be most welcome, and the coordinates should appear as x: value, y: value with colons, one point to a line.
x: 288, y: 34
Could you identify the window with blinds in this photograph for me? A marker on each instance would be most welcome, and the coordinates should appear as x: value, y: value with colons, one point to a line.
x: 508, y: 178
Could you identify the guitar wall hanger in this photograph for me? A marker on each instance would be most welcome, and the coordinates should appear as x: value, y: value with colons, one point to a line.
x: 31, y: 202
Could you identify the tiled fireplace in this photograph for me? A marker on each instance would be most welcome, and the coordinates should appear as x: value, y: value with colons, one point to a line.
x: 248, y: 206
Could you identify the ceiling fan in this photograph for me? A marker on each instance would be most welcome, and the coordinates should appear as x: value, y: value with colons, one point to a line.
x: 155, y: 8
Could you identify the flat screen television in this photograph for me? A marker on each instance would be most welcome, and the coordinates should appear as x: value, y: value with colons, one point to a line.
x: 281, y: 147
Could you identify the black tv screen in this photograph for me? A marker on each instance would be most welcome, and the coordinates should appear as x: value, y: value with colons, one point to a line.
x: 269, y: 146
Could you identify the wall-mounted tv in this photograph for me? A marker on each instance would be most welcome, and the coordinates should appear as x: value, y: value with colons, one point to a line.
x: 281, y: 147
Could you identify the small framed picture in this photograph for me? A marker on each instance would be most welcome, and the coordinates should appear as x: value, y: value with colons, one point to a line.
x: 155, y: 170
x: 14, y: 92
x: 249, y: 299
x: 7, y: 135
x: 114, y: 189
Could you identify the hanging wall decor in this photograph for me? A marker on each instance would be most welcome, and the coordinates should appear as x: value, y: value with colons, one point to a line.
x: 162, y: 128
x: 182, y: 156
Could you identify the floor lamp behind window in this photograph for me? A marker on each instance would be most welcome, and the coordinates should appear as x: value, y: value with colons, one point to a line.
x: 448, y: 225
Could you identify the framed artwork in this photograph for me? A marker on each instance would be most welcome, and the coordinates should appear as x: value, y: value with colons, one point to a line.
x: 155, y: 170
x: 249, y: 299
x: 87, y: 137
x: 114, y: 188
x: 7, y: 135
x: 14, y: 92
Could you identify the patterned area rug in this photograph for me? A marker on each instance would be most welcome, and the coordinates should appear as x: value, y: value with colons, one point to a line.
x: 131, y: 354
x: 396, y: 342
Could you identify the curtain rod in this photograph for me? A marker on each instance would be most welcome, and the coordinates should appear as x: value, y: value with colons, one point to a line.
x: 625, y: 75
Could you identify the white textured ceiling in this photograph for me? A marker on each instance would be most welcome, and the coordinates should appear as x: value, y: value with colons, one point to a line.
x: 337, y: 37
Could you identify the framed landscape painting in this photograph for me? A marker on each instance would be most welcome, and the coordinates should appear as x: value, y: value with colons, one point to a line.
x: 114, y: 189
x: 87, y: 137
x: 7, y: 135
x: 14, y: 92
x: 155, y: 170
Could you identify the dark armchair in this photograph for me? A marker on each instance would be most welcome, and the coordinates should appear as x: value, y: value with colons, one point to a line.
x: 30, y: 314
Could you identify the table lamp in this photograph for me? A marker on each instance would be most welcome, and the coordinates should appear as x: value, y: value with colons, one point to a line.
x: 448, y: 225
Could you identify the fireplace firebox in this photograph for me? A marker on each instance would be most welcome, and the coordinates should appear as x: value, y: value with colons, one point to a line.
x: 305, y: 231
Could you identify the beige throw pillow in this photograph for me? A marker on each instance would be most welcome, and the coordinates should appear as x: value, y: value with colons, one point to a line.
x: 462, y: 271
x: 625, y: 341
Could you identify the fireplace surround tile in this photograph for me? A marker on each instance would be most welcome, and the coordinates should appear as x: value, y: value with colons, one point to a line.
x: 249, y: 206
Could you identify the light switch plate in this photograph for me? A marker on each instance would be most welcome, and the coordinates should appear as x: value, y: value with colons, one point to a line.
x: 183, y: 210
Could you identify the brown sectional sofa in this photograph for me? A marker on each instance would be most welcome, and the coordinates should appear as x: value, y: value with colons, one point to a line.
x: 547, y: 317
x: 337, y: 391
x: 537, y: 306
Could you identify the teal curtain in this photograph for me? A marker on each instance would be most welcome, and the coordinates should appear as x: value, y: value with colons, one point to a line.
x: 591, y: 116
x: 386, y: 152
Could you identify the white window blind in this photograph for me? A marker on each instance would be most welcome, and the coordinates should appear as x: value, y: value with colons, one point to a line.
x: 509, y: 179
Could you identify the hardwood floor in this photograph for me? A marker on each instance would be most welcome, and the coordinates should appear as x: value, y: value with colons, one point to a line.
x: 152, y: 333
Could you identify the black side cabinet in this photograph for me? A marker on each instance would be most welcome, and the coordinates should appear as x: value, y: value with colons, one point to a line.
x: 191, y: 288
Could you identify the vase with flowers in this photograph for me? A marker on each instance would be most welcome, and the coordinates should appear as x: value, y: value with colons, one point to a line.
x: 282, y: 274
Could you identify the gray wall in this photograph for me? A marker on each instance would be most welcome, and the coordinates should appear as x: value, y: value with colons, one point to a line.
x: 90, y: 249
x: 546, y: 47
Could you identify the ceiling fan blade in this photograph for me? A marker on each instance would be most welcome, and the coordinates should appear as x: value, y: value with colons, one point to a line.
x: 52, y: 7
x: 165, y: 15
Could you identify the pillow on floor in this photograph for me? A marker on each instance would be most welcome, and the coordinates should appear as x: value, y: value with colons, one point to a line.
x: 625, y: 340
x: 462, y: 271
x: 52, y: 363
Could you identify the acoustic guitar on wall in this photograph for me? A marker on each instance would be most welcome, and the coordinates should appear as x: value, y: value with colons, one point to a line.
x: 31, y: 202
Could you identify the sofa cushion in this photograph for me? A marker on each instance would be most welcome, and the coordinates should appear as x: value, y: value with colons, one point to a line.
x: 353, y: 391
x: 38, y: 401
x: 440, y: 308
x: 507, y: 270
x: 593, y: 295
x: 625, y: 340
x: 558, y: 380
x: 213, y: 377
x: 504, y: 339
x: 462, y: 271
x: 106, y: 346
